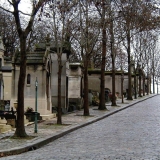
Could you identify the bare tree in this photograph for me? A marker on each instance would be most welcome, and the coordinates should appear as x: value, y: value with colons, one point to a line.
x: 9, y: 33
x: 60, y: 16
x: 102, y: 8
x: 23, y: 32
x: 135, y: 15
x: 86, y: 37
x: 38, y: 34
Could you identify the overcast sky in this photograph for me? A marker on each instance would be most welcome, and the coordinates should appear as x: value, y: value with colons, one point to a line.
x: 25, y: 5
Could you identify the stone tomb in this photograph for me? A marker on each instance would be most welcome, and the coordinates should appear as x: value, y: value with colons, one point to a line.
x: 3, y: 126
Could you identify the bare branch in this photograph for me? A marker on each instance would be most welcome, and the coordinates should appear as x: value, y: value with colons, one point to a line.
x: 6, y: 10
x: 26, y: 14
x: 10, y: 2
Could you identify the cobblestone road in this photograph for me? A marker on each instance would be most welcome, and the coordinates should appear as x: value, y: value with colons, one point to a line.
x: 132, y: 134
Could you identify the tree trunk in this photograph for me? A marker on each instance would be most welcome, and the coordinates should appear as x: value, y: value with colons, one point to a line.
x: 59, y: 109
x: 122, y: 79
x: 153, y: 85
x: 150, y: 81
x: 135, y: 85
x: 113, y: 62
x: 148, y: 86
x: 143, y: 85
x: 103, y: 64
x: 102, y: 79
x: 20, y: 129
x: 113, y: 70
x: 85, y: 95
x: 113, y: 85
x: 140, y: 78
x: 129, y: 94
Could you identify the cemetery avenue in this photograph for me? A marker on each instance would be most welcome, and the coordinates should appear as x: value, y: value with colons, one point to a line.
x: 128, y: 131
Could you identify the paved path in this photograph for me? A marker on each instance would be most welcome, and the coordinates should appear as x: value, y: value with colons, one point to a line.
x: 132, y: 134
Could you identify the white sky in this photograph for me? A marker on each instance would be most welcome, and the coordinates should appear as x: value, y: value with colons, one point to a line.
x: 25, y: 5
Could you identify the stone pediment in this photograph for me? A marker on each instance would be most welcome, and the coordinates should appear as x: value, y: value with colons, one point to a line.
x: 32, y: 58
x: 35, y: 58
x: 41, y: 52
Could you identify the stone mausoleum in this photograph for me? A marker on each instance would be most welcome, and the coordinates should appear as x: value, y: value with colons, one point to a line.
x: 41, y: 64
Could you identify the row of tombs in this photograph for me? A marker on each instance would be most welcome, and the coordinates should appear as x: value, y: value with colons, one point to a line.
x: 42, y: 65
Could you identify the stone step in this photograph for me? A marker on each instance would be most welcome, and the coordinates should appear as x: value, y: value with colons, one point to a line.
x: 49, y: 116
